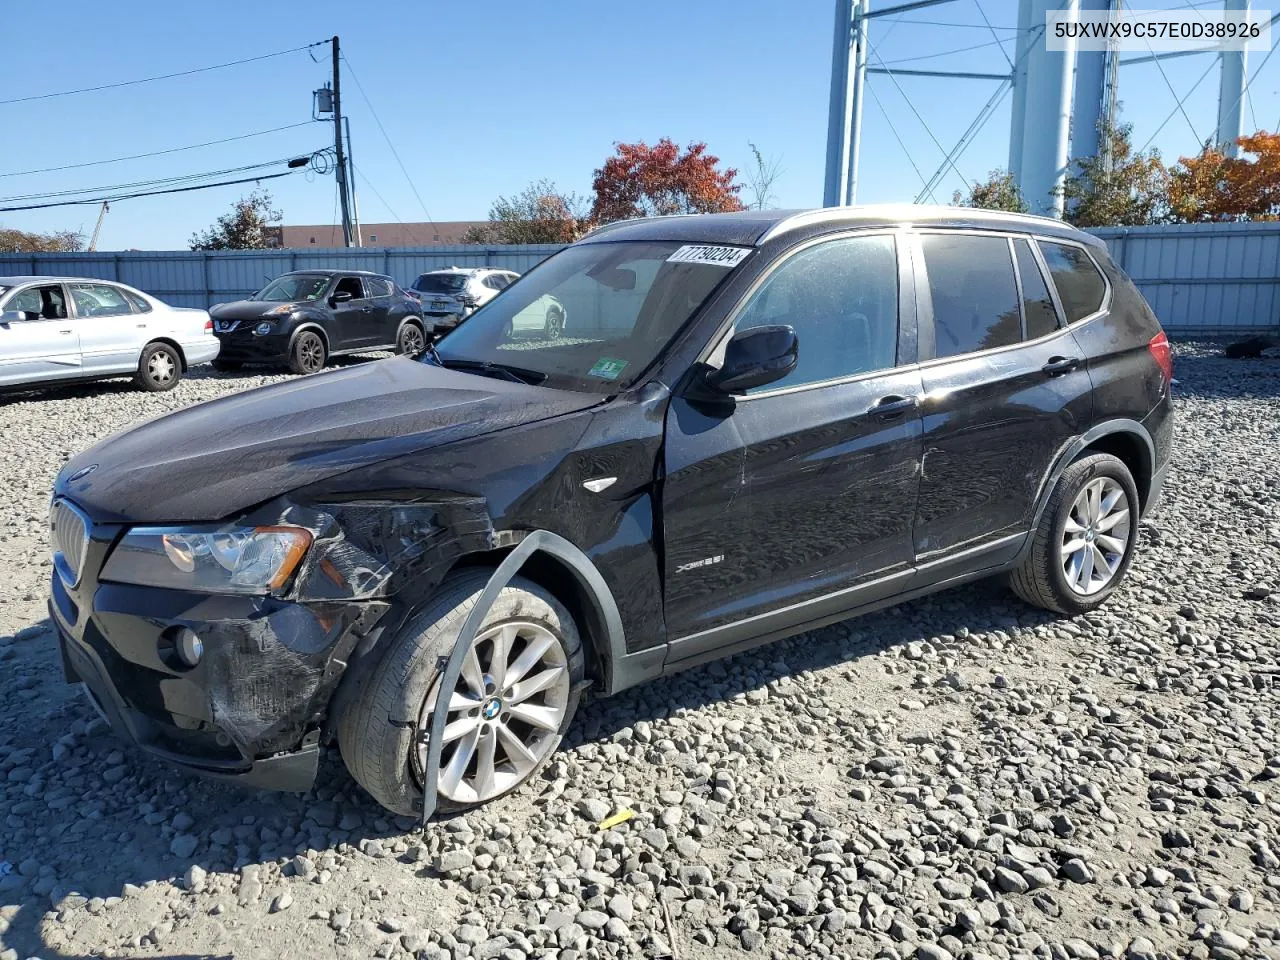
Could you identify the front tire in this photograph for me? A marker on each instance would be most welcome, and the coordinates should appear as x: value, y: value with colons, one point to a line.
x: 308, y: 353
x: 1085, y: 539
x: 159, y: 368
x: 511, y: 707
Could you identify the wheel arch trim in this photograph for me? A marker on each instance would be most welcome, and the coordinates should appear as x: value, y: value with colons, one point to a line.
x: 1119, y: 425
x: 309, y: 325
x: 534, y: 542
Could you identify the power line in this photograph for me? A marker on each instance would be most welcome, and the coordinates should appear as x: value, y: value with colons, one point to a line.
x: 894, y: 131
x: 392, y: 146
x: 1179, y: 100
x: 162, y: 181
x: 947, y: 53
x: 149, y: 193
x: 163, y: 76
x: 947, y: 23
x: 158, y: 153
x: 384, y: 202
x: 1003, y: 52
x: 912, y: 107
x: 1174, y: 112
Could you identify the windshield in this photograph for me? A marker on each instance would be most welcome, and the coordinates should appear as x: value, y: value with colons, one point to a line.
x: 290, y: 289
x: 592, y: 317
x: 440, y: 282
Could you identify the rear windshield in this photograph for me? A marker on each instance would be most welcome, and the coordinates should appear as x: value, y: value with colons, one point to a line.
x: 440, y: 282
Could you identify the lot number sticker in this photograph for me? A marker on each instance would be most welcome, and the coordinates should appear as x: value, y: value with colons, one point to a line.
x: 716, y: 256
x: 607, y: 368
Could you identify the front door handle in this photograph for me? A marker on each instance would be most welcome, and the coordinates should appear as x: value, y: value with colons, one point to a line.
x: 1057, y: 366
x: 66, y: 333
x: 892, y: 407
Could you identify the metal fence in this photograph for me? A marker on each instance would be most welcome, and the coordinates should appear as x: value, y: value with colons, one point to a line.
x: 1199, y: 278
x: 198, y: 278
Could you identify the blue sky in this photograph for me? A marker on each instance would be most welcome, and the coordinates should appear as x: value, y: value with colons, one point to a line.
x: 482, y: 98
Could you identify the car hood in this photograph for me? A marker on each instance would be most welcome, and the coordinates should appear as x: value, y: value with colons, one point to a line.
x: 248, y: 309
x: 212, y: 460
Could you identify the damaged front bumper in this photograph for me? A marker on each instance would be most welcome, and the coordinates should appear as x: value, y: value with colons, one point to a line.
x: 251, y: 711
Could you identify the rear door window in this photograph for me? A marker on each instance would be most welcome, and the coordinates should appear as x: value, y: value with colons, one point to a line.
x: 1037, y: 304
x: 379, y: 287
x: 98, y: 300
x: 975, y: 297
x: 1079, y: 283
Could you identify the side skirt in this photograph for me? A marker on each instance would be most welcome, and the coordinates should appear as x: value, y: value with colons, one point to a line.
x: 700, y: 648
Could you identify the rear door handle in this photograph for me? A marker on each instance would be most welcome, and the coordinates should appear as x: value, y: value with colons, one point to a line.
x: 892, y: 407
x: 1057, y: 366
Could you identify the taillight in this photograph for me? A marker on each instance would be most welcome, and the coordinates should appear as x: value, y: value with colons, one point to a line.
x: 208, y: 326
x: 1163, y: 354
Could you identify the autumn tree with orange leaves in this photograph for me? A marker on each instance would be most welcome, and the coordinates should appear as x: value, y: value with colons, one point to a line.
x: 644, y: 181
x: 1212, y: 186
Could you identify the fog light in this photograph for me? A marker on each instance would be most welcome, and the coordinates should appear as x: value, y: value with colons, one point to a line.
x: 189, y: 647
x: 262, y: 329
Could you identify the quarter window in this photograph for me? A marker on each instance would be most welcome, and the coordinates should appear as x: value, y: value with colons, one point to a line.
x: 841, y: 298
x: 98, y: 300
x: 1080, y: 286
x: 1037, y: 305
x: 975, y: 299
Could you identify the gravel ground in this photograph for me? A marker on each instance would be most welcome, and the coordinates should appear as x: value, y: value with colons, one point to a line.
x: 961, y: 776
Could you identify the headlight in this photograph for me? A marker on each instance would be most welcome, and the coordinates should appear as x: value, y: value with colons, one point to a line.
x: 208, y: 559
x: 283, y: 310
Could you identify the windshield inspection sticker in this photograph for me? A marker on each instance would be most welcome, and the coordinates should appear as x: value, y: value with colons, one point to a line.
x: 607, y: 368
x: 716, y: 256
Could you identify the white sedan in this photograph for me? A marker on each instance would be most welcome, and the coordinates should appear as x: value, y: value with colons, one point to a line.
x: 60, y: 329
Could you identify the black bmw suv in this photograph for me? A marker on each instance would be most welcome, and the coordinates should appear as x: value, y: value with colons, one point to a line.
x: 304, y: 318
x: 765, y: 422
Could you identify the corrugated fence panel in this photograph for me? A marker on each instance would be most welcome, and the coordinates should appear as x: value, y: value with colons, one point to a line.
x: 1199, y: 278
x: 1204, y: 277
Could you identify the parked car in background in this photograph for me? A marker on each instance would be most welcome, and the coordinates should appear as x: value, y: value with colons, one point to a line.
x: 305, y: 317
x: 63, y: 329
x: 449, y: 295
x: 765, y: 422
x: 544, y: 319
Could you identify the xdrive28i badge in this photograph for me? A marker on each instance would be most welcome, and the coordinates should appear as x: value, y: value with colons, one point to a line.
x: 82, y: 473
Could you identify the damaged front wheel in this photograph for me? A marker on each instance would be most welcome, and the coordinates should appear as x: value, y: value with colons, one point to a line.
x: 506, y: 715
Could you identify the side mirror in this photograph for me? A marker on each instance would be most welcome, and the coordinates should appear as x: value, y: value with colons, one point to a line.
x: 12, y: 316
x: 754, y: 357
x: 342, y: 296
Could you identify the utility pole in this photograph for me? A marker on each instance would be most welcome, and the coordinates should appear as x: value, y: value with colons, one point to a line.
x: 343, y: 195
x: 351, y: 178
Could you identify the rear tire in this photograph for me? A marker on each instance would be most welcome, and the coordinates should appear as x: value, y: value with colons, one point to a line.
x: 411, y: 341
x: 1076, y: 560
x: 308, y: 353
x: 554, y: 328
x: 159, y: 368
x: 386, y: 758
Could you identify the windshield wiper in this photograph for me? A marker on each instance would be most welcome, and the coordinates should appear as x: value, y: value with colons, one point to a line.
x: 489, y: 368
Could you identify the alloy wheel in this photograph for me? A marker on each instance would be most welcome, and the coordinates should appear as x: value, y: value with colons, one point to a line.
x: 311, y: 352
x: 1095, y: 538
x: 504, y: 714
x: 411, y: 340
x: 555, y: 324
